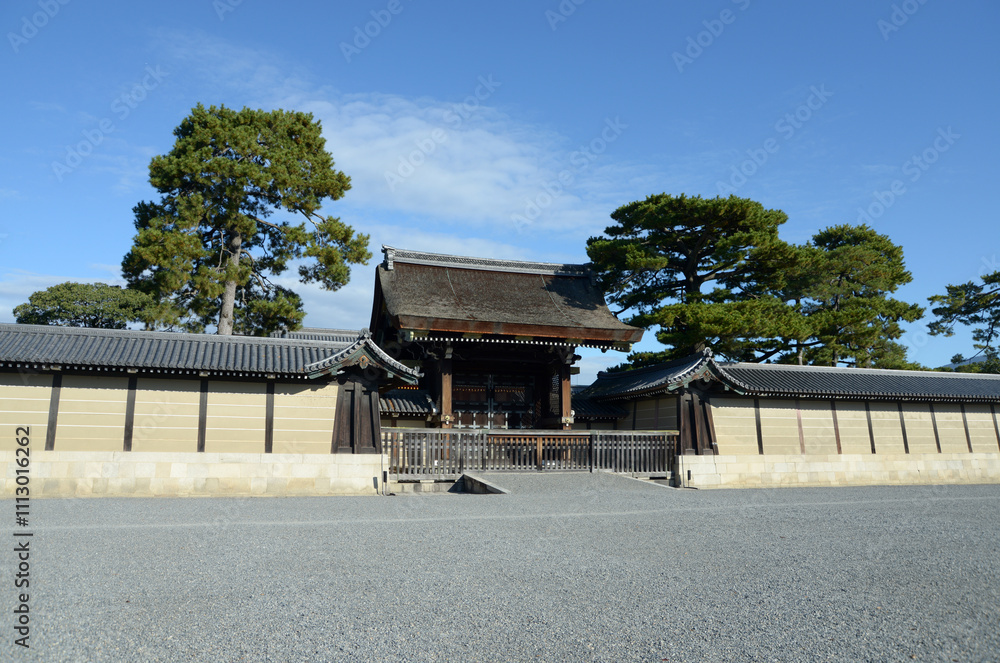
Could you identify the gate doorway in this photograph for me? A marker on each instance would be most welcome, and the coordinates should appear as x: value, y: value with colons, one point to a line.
x: 494, y: 401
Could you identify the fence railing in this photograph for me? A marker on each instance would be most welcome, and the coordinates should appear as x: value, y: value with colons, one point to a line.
x: 424, y: 453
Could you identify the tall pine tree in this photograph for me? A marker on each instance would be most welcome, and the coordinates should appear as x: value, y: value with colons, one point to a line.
x: 208, y: 248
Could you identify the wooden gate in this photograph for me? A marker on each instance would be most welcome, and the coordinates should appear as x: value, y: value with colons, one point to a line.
x: 447, y: 453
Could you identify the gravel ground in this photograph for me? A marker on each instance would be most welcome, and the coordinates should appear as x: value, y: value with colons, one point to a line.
x: 568, y: 567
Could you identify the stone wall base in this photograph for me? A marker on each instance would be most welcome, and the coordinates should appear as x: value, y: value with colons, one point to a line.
x: 166, y: 474
x: 769, y: 471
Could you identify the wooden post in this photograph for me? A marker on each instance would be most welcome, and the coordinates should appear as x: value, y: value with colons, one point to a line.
x: 447, y: 416
x: 565, y: 397
x: 688, y: 432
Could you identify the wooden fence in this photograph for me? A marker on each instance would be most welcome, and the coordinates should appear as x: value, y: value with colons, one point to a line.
x: 424, y: 453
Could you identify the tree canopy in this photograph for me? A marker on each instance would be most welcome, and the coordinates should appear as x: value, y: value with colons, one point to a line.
x: 83, y: 305
x: 714, y: 272
x: 844, y: 282
x: 207, y: 250
x: 676, y: 262
x: 976, y: 305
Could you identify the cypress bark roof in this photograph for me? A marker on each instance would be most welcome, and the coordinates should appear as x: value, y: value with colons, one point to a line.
x: 45, y: 347
x: 442, y: 293
x: 782, y: 380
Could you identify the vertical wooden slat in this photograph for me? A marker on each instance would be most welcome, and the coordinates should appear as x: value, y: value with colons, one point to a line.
x: 760, y: 436
x: 871, y: 429
x: 902, y: 424
x: 996, y: 425
x: 203, y: 415
x: 269, y: 418
x: 446, y: 389
x: 836, y: 426
x: 802, y: 434
x: 965, y: 425
x: 50, y: 430
x: 565, y: 395
x: 130, y: 413
x: 710, y: 421
x: 937, y: 436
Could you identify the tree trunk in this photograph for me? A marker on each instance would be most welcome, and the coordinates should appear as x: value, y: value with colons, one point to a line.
x: 225, y: 327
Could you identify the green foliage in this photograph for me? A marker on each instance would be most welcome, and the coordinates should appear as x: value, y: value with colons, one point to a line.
x: 84, y: 305
x: 990, y: 365
x: 976, y: 305
x: 207, y: 250
x: 692, y: 252
x: 851, y: 317
x: 714, y: 272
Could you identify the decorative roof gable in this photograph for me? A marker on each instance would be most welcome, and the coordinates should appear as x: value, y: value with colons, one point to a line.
x: 783, y: 380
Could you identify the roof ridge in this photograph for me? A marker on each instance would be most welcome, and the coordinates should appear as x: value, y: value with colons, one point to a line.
x: 394, y: 255
x: 160, y: 335
x: 656, y: 367
x: 856, y: 370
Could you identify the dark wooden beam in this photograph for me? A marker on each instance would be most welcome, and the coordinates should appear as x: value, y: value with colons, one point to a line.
x: 712, y: 439
x: 902, y: 425
x: 203, y: 416
x: 688, y: 433
x: 871, y: 429
x: 836, y: 426
x: 760, y: 434
x: 343, y: 419
x: 447, y: 415
x: 937, y: 436
x: 50, y: 429
x: 996, y: 426
x: 269, y: 419
x: 965, y: 424
x: 802, y: 433
x: 565, y: 397
x: 130, y: 413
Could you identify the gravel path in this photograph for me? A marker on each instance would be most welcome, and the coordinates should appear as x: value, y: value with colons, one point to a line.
x: 568, y: 567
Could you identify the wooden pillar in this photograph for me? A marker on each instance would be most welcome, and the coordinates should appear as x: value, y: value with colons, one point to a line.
x: 565, y: 397
x: 689, y: 433
x: 50, y: 430
x: 447, y: 416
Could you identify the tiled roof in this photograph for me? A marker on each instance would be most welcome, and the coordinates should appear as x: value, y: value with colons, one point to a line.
x: 39, y: 346
x: 873, y: 383
x: 454, y: 294
x: 586, y: 408
x: 649, y: 380
x: 352, y: 354
x: 407, y: 402
x: 345, y: 336
x: 794, y: 381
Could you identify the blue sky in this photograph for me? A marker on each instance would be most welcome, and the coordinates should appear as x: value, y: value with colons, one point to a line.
x: 514, y: 129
